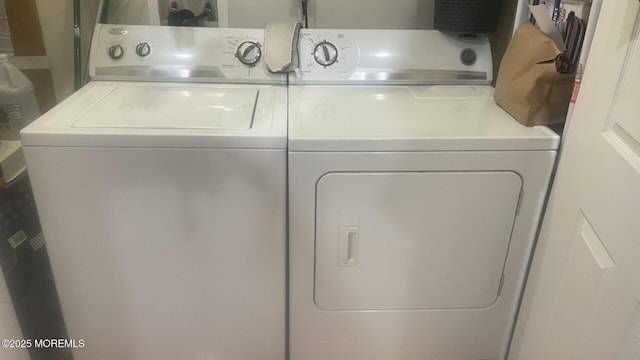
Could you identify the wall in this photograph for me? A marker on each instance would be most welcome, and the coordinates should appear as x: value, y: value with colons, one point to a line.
x: 353, y: 14
x: 241, y: 13
x: 500, y: 39
x: 256, y: 14
x: 56, y: 20
x: 128, y: 12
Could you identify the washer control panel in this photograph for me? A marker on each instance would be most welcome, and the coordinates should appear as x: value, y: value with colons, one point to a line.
x: 185, y: 54
x: 392, y: 57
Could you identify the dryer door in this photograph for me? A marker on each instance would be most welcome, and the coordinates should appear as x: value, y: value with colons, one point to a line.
x: 412, y: 240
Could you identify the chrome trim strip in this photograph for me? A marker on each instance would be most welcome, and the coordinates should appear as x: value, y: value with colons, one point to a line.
x: 161, y: 72
x: 416, y: 75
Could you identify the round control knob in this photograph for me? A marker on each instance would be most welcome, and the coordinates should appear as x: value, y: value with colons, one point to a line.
x: 116, y: 51
x: 468, y: 57
x: 249, y: 53
x: 325, y: 53
x: 143, y: 49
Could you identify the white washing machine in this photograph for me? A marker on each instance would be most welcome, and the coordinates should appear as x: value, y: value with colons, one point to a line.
x: 413, y: 199
x: 161, y: 187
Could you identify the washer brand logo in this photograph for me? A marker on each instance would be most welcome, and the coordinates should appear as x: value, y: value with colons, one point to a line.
x: 117, y: 31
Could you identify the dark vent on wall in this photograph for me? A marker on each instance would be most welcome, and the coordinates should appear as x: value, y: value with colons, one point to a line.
x: 467, y: 16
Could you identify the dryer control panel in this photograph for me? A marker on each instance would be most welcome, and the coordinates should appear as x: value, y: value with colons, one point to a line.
x: 327, y: 54
x: 185, y: 54
x: 392, y: 57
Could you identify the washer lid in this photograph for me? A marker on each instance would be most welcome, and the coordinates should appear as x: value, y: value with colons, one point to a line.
x: 406, y: 118
x: 175, y: 107
x: 165, y: 115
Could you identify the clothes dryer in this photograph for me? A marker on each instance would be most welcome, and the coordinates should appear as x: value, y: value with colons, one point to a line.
x: 413, y: 198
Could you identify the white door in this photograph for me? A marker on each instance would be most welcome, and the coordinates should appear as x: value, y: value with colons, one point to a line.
x: 583, y: 297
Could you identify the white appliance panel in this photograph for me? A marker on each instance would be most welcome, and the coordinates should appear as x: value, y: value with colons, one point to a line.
x: 412, y: 240
x: 178, y: 53
x: 166, y: 253
x: 412, y: 334
x: 170, y: 115
x: 176, y: 107
x: 406, y: 118
x: 391, y: 57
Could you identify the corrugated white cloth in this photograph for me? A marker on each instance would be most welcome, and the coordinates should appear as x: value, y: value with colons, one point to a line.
x: 281, y: 46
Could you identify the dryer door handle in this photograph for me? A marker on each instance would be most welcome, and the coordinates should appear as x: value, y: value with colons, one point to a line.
x: 348, y: 246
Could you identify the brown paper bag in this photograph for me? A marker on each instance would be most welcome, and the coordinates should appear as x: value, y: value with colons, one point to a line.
x: 535, y: 79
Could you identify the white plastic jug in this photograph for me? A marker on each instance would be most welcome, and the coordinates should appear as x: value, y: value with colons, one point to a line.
x: 18, y: 104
